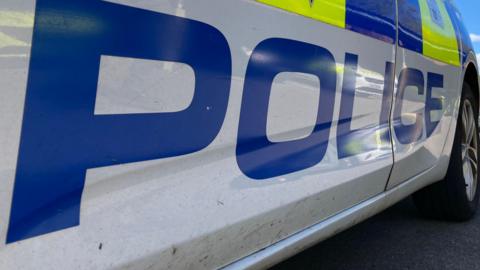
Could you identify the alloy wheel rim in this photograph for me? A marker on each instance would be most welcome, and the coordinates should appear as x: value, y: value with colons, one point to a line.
x: 469, y: 150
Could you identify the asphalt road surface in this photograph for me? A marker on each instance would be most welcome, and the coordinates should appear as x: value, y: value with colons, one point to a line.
x: 398, y: 238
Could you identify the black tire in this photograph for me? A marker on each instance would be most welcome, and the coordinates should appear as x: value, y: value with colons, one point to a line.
x: 448, y: 199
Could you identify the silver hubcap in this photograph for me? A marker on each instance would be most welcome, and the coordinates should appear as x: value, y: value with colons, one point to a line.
x: 469, y: 149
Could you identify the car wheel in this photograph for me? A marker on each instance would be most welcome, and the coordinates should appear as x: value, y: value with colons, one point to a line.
x: 456, y: 196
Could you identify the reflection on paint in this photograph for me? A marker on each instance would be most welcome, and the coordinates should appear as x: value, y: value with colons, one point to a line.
x: 9, y: 41
x: 16, y: 19
x: 367, y: 140
x: 12, y: 24
x: 82, y: 23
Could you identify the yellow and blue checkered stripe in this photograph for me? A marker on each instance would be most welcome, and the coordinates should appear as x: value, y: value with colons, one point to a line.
x: 425, y: 26
x: 329, y: 11
x: 439, y: 38
x: 372, y: 18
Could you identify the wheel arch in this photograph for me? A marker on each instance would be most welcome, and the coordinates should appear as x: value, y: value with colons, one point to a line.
x: 471, y: 75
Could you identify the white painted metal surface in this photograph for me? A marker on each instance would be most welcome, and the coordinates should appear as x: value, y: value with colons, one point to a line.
x: 200, y: 210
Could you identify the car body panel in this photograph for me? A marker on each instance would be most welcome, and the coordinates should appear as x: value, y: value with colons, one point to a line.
x: 415, y: 157
x: 422, y: 115
x: 219, y: 195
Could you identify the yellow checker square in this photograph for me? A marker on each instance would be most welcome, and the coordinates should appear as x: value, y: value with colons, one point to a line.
x: 329, y: 11
x: 439, y: 39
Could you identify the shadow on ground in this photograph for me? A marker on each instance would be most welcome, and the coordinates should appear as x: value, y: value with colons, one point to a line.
x: 398, y: 238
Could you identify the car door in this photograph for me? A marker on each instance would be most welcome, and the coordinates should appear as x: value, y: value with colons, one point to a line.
x: 187, y: 134
x: 428, y: 88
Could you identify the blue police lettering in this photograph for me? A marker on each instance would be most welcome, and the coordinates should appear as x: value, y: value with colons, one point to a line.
x: 431, y: 103
x: 258, y: 157
x: 61, y: 137
x: 344, y: 132
x: 409, y: 77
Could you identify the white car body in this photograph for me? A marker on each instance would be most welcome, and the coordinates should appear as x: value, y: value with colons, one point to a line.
x: 211, y: 205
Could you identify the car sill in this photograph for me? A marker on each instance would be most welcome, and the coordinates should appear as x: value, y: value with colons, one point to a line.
x: 302, y: 240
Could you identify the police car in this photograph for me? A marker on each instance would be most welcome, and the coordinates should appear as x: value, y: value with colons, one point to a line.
x: 187, y: 134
